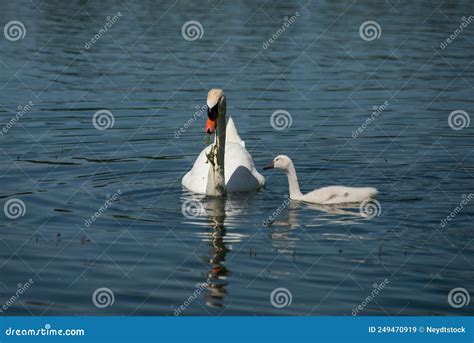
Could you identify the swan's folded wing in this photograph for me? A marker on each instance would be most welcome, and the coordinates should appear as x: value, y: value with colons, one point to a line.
x: 340, y: 194
x: 231, y: 134
x: 196, y: 179
x: 240, y: 172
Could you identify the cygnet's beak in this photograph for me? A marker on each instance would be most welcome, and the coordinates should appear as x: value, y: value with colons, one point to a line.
x: 269, y: 166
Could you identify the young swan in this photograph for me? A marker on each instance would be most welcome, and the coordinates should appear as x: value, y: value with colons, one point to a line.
x: 326, y: 195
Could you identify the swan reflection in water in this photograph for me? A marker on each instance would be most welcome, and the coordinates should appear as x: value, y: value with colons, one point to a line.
x: 281, y: 232
x: 216, y: 210
x: 218, y: 273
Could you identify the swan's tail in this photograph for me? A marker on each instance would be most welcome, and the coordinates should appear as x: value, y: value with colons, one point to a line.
x: 370, y: 192
x: 231, y: 134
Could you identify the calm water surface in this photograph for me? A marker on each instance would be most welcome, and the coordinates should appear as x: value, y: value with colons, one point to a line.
x: 144, y: 248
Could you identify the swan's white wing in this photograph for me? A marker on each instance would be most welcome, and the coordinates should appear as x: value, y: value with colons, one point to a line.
x: 340, y: 194
x: 240, y: 172
x: 231, y: 134
x: 196, y: 179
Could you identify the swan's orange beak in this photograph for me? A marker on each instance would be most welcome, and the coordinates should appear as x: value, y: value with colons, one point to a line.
x: 210, y: 126
x: 212, y: 114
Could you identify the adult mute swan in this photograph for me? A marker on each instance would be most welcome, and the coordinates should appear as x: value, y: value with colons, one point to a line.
x: 326, y: 195
x: 225, y: 166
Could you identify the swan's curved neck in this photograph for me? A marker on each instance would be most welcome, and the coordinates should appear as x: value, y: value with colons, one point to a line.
x: 220, y: 142
x: 290, y: 172
x: 217, y: 173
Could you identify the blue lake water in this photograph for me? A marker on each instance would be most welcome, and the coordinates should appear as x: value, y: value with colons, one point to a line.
x: 144, y: 249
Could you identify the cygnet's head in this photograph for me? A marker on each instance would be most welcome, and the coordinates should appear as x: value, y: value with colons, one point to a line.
x: 282, y: 162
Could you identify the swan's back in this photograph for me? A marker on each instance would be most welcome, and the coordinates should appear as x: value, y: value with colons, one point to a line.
x: 240, y: 172
x: 340, y: 194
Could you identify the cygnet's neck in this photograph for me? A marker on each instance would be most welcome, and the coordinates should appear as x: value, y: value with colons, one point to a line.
x: 290, y: 172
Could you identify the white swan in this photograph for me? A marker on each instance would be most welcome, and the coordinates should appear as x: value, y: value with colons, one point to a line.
x: 326, y: 195
x: 225, y: 166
